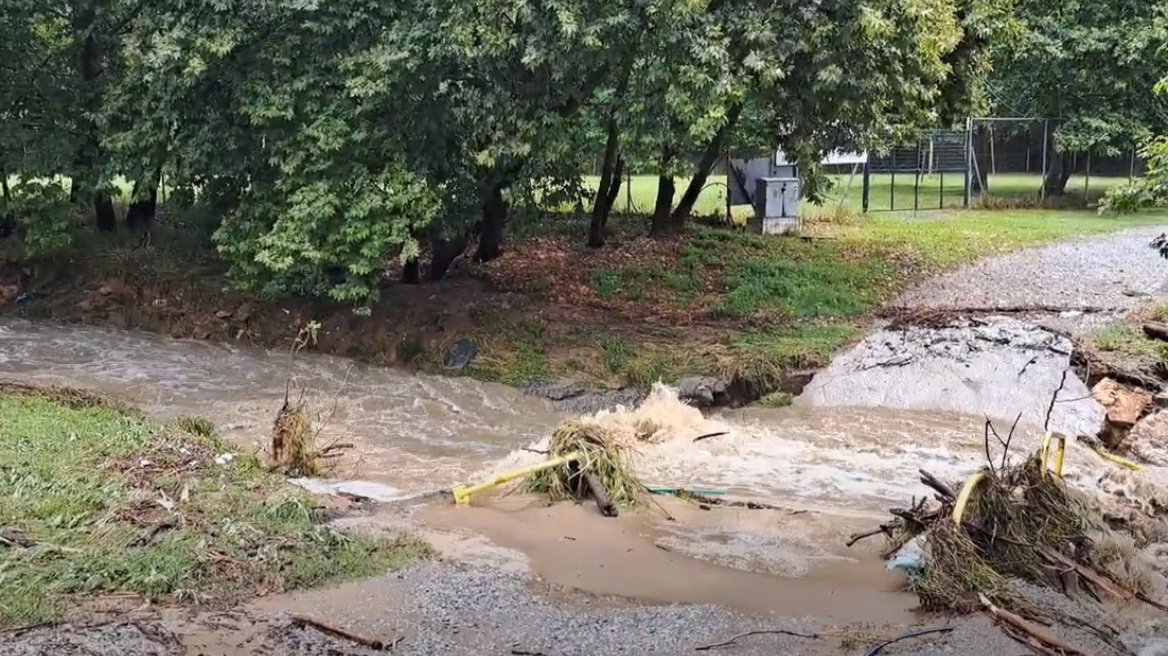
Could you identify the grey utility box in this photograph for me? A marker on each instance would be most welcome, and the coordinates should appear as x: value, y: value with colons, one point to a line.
x: 776, y: 206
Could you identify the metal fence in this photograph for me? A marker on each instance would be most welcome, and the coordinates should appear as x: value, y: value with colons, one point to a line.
x: 927, y: 173
x: 1020, y: 160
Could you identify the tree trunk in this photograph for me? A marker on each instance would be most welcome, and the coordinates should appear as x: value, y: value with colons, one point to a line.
x: 105, y: 218
x: 661, y: 224
x: 87, y: 160
x: 491, y: 231
x: 618, y: 178
x: 600, y: 205
x: 442, y: 254
x: 143, y: 207
x: 1058, y: 173
x: 706, y: 164
x: 7, y: 215
x: 411, y: 273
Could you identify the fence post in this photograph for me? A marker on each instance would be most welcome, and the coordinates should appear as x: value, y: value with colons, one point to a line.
x: 892, y: 186
x: 866, y: 185
x: 1087, y: 180
x: 966, y: 188
x: 1045, y: 146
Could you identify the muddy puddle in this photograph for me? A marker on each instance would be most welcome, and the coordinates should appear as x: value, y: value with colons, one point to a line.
x: 783, y: 562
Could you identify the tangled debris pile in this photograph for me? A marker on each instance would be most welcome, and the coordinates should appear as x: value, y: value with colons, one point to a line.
x: 965, y: 550
x: 597, y: 465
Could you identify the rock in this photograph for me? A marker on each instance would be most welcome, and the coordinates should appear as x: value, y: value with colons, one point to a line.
x: 1153, y: 428
x: 1125, y: 405
x: 702, y: 391
x: 575, y: 398
x: 1148, y: 440
x: 460, y: 354
x: 555, y: 391
x: 1160, y: 400
x: 111, y: 286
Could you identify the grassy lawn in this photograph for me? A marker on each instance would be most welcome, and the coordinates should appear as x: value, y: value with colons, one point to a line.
x: 94, y: 500
x: 888, y: 191
x: 716, y: 300
x: 741, y: 305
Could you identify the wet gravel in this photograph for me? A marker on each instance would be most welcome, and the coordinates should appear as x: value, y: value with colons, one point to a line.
x: 456, y: 609
x: 1115, y: 271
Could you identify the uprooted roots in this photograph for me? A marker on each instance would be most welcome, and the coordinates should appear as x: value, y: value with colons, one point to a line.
x: 601, y: 456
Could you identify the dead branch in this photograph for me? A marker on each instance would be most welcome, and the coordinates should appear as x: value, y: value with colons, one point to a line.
x: 1032, y: 630
x: 876, y: 649
x: 370, y: 643
x: 707, y: 436
x: 149, y: 536
x: 883, y: 529
x: 727, y: 643
x: 941, y: 487
x: 1010, y: 438
x: 1054, y: 399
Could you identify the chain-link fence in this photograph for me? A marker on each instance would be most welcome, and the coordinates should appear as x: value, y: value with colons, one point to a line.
x: 1020, y: 161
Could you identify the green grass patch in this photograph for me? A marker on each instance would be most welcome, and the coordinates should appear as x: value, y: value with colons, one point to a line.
x: 101, y: 501
x: 1128, y: 340
x: 638, y: 283
x: 512, y: 352
x: 958, y: 237
x: 776, y: 400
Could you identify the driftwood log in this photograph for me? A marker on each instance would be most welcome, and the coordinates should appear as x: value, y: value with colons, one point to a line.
x: 1154, y: 330
x: 603, y: 502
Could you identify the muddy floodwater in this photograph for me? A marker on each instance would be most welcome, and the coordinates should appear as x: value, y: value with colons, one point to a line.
x: 835, y: 461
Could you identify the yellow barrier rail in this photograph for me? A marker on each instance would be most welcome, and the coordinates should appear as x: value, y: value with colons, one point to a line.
x: 1059, y: 457
x: 462, y: 493
x: 1059, y: 443
x: 967, y: 489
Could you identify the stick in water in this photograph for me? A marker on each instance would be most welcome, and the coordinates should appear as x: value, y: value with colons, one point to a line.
x: 376, y: 645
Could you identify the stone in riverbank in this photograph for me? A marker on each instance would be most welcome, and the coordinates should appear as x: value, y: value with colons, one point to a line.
x: 576, y: 398
x: 997, y: 367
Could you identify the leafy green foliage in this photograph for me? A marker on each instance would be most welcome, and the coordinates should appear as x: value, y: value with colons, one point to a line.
x: 1090, y: 63
x: 338, y: 141
x: 1152, y: 188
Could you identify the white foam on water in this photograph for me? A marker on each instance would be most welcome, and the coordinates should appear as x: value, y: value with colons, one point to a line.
x: 835, y: 458
x: 364, y: 489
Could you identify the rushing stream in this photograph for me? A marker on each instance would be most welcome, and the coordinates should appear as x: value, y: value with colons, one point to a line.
x: 417, y: 432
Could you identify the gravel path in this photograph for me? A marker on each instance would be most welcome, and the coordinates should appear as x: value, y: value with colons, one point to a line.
x: 1116, y: 270
x: 463, y: 610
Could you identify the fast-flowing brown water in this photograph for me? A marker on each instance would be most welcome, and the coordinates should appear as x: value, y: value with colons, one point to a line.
x: 417, y: 433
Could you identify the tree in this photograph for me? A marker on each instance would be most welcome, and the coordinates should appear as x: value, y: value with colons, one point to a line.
x: 1150, y: 190
x: 1088, y: 64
